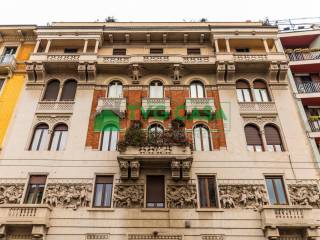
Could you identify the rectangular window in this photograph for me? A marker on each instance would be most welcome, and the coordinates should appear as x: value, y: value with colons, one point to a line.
x: 70, y: 50
x: 8, y: 54
x: 155, y: 192
x: 119, y: 51
x: 1, y: 83
x: 156, y: 50
x: 35, y: 189
x: 276, y: 190
x: 193, y: 51
x: 103, y: 191
x: 207, y: 192
x: 242, y: 50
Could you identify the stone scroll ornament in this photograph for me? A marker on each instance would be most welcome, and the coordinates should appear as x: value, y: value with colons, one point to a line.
x: 304, y: 194
x: 68, y: 195
x: 243, y: 196
x: 181, y: 196
x: 11, y: 193
x: 128, y: 196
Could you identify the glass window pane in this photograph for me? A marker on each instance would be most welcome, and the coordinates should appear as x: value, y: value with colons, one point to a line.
x: 112, y: 91
x: 113, y: 140
x: 39, y: 194
x: 212, y: 192
x: 258, y: 148
x: 200, y: 90
x: 40, y: 139
x: 239, y: 95
x: 246, y: 93
x: 202, y: 192
x: 36, y: 139
x: 197, y: 139
x: 44, y: 140
x: 98, y: 195
x: 205, y: 139
x: 63, y: 140
x: 193, y: 91
x: 270, y: 148
x: 106, y: 139
x: 250, y: 148
x: 55, y: 140
x: 119, y: 91
x: 31, y: 194
x: 257, y: 95
x: 107, y: 195
x: 280, y: 190
x: 271, y: 192
x: 278, y: 148
x: 264, y: 95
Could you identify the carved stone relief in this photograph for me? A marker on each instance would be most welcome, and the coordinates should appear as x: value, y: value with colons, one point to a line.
x: 243, y: 196
x: 304, y: 194
x: 181, y: 196
x: 11, y: 193
x: 68, y: 195
x: 128, y: 196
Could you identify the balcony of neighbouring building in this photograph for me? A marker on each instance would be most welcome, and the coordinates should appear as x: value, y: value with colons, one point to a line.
x: 116, y: 105
x: 257, y: 108
x: 203, y: 106
x: 55, y: 107
x: 304, y: 54
x: 158, y: 107
x: 308, y: 85
x: 313, y: 115
x: 7, y: 64
x: 281, y: 216
x: 36, y: 216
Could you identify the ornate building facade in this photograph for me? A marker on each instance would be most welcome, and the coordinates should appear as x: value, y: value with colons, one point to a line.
x: 158, y: 131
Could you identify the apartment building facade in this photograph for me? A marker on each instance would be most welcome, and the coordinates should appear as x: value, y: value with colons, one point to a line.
x: 16, y: 45
x: 158, y: 131
x: 302, y: 49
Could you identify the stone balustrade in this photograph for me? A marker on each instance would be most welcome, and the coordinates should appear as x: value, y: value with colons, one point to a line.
x: 257, y: 108
x: 116, y: 105
x: 65, y: 107
x: 200, y: 104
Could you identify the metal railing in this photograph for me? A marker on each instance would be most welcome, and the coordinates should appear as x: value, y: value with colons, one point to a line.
x: 303, y: 54
x: 308, y: 87
x: 314, y: 124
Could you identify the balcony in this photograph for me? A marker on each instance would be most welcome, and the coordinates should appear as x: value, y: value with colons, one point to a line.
x: 156, y: 107
x: 202, y: 105
x: 251, y: 57
x: 303, y: 54
x: 62, y: 57
x: 257, y: 108
x: 53, y: 107
x: 275, y: 217
x: 116, y: 105
x: 36, y: 216
x: 309, y: 89
x: 7, y: 64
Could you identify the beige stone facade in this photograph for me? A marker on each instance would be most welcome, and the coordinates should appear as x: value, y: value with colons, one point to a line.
x: 235, y: 201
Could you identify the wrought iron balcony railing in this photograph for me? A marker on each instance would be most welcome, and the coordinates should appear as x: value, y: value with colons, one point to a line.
x: 308, y: 87
x: 303, y: 54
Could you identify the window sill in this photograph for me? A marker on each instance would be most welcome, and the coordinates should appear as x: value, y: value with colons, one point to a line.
x: 154, y: 210
x: 209, y: 210
x: 101, y: 209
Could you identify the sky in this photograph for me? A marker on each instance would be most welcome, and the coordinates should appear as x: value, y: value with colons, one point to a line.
x: 41, y: 12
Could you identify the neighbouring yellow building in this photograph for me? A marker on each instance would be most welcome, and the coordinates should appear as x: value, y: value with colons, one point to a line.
x: 16, y: 44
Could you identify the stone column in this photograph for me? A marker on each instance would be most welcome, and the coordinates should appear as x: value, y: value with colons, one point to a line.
x: 96, y: 46
x: 36, y: 48
x: 216, y: 45
x: 48, y: 46
x: 228, y: 45
x: 266, y: 47
x: 85, y: 46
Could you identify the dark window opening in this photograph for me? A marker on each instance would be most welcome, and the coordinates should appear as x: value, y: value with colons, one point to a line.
x: 155, y: 192
x: 35, y: 189
x: 193, y: 51
x: 156, y: 50
x: 207, y: 192
x: 119, y: 51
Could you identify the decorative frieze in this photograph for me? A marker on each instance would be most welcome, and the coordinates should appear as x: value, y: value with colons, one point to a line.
x: 181, y: 196
x: 128, y: 196
x: 243, y: 196
x: 11, y: 193
x: 212, y: 237
x: 90, y: 236
x: 68, y: 195
x: 63, y: 58
x: 304, y: 194
x: 154, y: 236
x: 250, y: 57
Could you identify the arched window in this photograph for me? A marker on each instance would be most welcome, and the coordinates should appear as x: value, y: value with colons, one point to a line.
x: 243, y: 91
x: 201, y: 138
x: 196, y: 89
x: 253, y: 137
x: 156, y: 89
x: 52, y: 91
x: 155, y: 129
x: 40, y: 138
x: 115, y: 90
x: 109, y: 139
x: 69, y: 90
x: 59, y: 138
x: 260, y: 91
x: 273, y: 138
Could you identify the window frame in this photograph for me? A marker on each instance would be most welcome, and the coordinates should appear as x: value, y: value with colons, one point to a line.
x: 62, y: 90
x: 274, y: 146
x: 36, y: 127
x: 254, y: 147
x: 215, y: 188
x: 258, y: 92
x: 60, y: 137
x: 201, y: 126
x: 103, y: 193
x: 38, y: 186
x: 113, y: 127
x: 276, y: 194
x: 164, y: 191
x: 115, y: 83
x: 196, y: 84
x: 45, y: 91
x: 241, y: 92
x: 162, y: 88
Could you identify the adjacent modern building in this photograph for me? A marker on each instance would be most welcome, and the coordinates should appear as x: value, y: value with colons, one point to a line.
x: 131, y: 131
x: 16, y: 44
x: 302, y: 46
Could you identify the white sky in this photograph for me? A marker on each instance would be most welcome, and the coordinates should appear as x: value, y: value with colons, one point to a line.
x: 43, y: 11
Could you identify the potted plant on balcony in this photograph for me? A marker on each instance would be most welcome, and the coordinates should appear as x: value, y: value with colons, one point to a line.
x: 134, y: 137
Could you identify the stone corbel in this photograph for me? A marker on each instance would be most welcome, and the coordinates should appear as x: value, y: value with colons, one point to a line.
x: 124, y: 169
x: 82, y: 72
x: 135, y: 169
x: 40, y: 71
x: 175, y: 169
x: 231, y: 70
x: 91, y: 70
x: 30, y: 69
x: 38, y: 231
x: 272, y: 233
x: 221, y: 70
x: 283, y: 71
x: 273, y: 72
x: 2, y: 231
x: 311, y: 233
